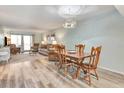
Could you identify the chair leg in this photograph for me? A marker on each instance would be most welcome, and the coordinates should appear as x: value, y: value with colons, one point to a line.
x: 59, y: 66
x: 77, y: 73
x: 96, y: 75
x: 89, y: 78
x: 72, y: 67
x: 65, y: 71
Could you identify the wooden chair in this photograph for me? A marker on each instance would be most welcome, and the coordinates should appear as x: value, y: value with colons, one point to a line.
x: 63, y: 61
x: 34, y: 48
x: 91, y: 67
x: 14, y: 49
x: 79, y: 49
x: 61, y: 53
x: 53, y: 54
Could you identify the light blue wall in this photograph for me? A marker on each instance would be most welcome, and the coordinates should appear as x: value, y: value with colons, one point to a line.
x: 1, y: 38
x: 106, y: 30
x: 1, y: 41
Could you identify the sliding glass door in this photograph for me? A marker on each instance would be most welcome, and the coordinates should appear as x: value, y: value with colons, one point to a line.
x: 22, y: 41
x: 27, y: 42
x: 16, y: 39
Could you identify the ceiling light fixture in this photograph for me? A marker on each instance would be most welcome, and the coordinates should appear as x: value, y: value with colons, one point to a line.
x: 69, y: 13
x: 69, y: 24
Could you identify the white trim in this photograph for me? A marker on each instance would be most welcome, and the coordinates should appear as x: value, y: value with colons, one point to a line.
x: 122, y: 73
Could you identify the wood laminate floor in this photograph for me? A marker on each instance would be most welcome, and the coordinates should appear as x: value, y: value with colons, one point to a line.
x: 25, y: 71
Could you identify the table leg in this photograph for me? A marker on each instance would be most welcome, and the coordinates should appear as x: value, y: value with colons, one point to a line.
x: 77, y: 73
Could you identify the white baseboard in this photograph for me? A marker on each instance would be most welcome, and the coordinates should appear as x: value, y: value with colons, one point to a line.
x: 122, y: 73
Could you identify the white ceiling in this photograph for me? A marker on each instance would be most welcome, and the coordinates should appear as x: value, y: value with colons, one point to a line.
x: 120, y: 9
x: 41, y: 18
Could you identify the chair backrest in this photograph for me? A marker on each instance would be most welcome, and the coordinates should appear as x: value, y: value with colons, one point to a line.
x: 12, y: 46
x: 95, y: 52
x: 62, y: 49
x: 36, y: 45
x: 56, y: 47
x: 79, y: 49
x: 13, y: 49
x: 61, y: 53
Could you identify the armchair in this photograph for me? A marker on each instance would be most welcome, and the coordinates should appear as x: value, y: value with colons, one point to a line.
x: 90, y: 67
x: 14, y: 49
x: 34, y: 48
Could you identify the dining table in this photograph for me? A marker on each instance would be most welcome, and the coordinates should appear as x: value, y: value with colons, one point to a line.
x: 76, y: 59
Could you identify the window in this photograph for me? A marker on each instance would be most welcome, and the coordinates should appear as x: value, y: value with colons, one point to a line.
x: 16, y: 39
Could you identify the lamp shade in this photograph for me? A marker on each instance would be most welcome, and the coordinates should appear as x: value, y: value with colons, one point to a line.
x: 54, y: 42
x: 42, y: 42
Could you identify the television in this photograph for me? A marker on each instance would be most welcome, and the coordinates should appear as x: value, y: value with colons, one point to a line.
x: 1, y: 40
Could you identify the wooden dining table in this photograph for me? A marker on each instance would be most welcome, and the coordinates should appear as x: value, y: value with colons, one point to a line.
x: 77, y: 59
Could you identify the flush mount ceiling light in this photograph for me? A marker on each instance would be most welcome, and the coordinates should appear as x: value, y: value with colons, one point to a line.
x: 69, y: 13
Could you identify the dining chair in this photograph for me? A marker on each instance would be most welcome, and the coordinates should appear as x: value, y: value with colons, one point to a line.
x: 90, y: 67
x: 61, y: 54
x: 64, y: 63
x: 79, y: 49
x: 56, y: 50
